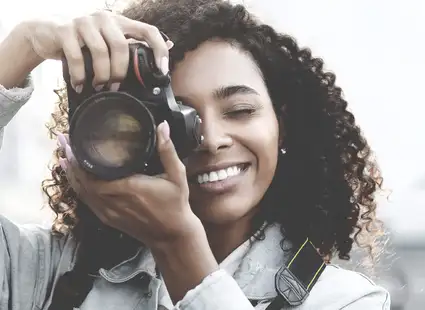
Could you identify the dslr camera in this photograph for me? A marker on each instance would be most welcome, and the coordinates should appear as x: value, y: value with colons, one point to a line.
x: 113, y: 133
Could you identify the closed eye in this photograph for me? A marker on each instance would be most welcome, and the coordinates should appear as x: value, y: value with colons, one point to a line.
x: 240, y: 113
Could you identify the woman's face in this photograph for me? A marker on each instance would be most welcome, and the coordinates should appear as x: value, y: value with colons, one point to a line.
x: 231, y: 172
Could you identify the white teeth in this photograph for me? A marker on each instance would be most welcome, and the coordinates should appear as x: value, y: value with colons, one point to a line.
x: 222, y: 174
x: 231, y: 171
x: 213, y: 176
x: 219, y: 175
x: 200, y: 179
x: 205, y: 177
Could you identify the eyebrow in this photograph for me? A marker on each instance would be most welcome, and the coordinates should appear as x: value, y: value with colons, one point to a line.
x: 225, y: 92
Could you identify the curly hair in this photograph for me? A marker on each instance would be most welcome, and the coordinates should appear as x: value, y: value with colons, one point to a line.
x: 327, y: 155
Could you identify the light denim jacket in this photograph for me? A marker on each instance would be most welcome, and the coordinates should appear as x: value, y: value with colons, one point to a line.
x: 32, y: 260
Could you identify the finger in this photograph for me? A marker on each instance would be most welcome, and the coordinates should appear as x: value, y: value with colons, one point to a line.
x: 119, y: 53
x: 93, y: 39
x: 62, y: 140
x: 79, y: 174
x: 63, y: 163
x: 170, y: 44
x: 70, y: 175
x: 87, y: 180
x: 150, y: 34
x: 173, y: 166
x: 66, y: 137
x: 71, y: 47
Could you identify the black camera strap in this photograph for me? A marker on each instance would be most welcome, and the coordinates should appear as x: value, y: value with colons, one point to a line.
x: 294, y: 281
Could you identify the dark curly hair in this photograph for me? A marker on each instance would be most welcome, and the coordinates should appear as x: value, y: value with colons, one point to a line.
x: 327, y: 155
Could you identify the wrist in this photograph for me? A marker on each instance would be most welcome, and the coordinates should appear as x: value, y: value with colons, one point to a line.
x: 185, y: 262
x: 17, y: 58
x: 193, y: 239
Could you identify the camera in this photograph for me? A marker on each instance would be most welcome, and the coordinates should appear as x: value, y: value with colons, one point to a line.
x: 113, y: 133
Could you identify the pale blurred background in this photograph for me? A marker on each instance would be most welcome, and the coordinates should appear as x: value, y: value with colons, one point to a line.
x: 377, y: 50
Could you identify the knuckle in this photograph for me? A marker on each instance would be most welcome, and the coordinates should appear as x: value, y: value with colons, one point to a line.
x: 130, y: 182
x: 81, y: 21
x: 181, y: 168
x: 100, y: 50
x: 119, y: 45
x: 64, y: 30
x: 103, y: 218
x: 103, y: 14
x: 110, y: 215
x: 152, y: 31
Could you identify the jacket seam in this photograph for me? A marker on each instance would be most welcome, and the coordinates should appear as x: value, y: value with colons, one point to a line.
x: 382, y: 307
x: 39, y: 273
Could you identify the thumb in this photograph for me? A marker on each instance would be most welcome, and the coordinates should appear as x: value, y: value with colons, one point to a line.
x: 171, y: 162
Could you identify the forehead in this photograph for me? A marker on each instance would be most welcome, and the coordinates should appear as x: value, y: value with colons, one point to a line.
x: 212, y: 65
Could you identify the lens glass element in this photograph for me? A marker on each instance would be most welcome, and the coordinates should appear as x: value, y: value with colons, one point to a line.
x: 113, y: 136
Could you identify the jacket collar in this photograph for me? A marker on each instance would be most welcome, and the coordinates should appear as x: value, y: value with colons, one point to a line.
x: 258, y: 263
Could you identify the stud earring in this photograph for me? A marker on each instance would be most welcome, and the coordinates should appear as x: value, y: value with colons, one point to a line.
x: 283, y: 151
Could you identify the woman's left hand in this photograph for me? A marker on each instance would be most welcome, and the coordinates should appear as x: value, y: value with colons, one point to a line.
x: 153, y: 209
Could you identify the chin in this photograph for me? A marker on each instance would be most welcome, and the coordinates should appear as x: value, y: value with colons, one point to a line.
x: 222, y: 212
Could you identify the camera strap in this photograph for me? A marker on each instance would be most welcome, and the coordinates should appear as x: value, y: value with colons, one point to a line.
x: 294, y: 281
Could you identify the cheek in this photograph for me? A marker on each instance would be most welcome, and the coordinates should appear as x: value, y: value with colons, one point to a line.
x: 265, y: 141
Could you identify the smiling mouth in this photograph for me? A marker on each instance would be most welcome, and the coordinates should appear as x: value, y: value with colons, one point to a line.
x: 219, y: 175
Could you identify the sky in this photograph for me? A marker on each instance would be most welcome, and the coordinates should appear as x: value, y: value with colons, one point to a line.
x: 376, y: 48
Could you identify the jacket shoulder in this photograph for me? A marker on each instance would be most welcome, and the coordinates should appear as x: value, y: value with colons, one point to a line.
x: 32, y: 258
x: 339, y: 288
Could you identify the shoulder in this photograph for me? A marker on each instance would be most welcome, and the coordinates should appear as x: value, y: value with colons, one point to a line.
x: 32, y: 241
x: 31, y: 257
x: 339, y: 288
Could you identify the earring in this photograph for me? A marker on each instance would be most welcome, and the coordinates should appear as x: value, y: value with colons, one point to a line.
x: 283, y: 151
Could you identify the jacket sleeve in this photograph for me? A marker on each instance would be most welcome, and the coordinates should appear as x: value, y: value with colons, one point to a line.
x: 341, y: 289
x: 377, y: 299
x: 11, y: 100
x: 29, y: 254
x: 218, y: 291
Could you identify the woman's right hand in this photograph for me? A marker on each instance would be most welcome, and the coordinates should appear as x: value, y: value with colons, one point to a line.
x: 106, y: 34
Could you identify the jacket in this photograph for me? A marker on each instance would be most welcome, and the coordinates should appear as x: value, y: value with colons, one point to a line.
x: 32, y: 259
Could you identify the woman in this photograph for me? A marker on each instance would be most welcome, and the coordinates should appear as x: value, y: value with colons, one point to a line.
x: 299, y: 168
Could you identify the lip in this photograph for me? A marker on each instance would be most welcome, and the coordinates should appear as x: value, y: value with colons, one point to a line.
x: 215, y: 167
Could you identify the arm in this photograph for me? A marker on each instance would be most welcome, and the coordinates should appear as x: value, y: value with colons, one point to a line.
x: 17, y: 59
x: 16, y: 62
x: 194, y: 279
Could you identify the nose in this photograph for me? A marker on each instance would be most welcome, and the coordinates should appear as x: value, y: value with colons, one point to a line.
x: 216, y: 137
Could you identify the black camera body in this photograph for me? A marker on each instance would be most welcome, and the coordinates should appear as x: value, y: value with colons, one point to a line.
x: 113, y: 134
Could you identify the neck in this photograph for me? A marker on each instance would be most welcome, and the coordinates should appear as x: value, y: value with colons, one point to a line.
x: 225, y: 238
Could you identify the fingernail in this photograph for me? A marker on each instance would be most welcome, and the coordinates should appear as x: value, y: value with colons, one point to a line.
x: 99, y: 87
x: 62, y: 140
x: 170, y: 44
x: 79, y: 88
x: 63, y: 164
x: 164, y: 131
x: 68, y: 153
x: 164, y: 65
x: 115, y: 86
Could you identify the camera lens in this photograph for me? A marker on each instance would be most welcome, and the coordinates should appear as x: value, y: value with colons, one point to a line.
x: 113, y: 131
x: 114, y: 139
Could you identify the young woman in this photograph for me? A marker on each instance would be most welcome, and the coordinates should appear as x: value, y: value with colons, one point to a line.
x: 282, y: 160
